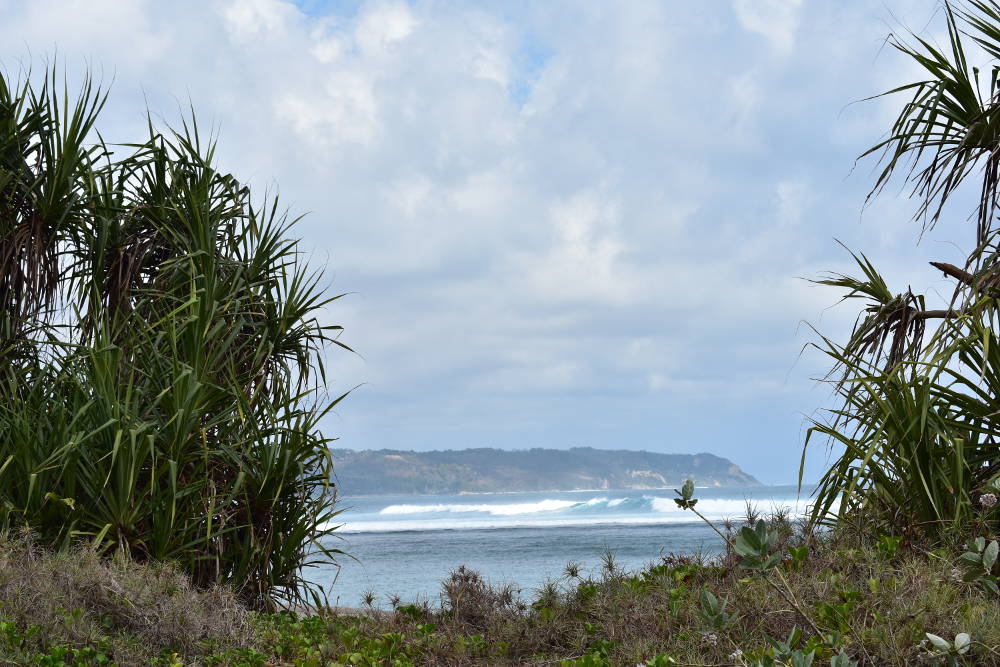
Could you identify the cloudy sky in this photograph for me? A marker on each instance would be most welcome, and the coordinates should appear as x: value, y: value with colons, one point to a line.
x: 560, y: 223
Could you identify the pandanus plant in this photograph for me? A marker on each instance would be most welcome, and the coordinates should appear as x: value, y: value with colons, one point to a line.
x: 918, y: 417
x: 161, y: 353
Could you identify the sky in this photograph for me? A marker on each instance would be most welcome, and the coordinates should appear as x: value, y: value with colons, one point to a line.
x: 557, y: 223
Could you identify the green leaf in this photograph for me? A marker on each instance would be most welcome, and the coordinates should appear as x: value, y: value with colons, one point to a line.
x: 842, y: 660
x: 800, y: 659
x: 685, y: 499
x: 709, y: 603
x: 749, y: 541
x: 990, y: 555
x: 938, y: 642
x: 771, y: 561
x: 972, y: 557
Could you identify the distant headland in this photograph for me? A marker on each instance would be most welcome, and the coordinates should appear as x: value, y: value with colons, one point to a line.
x: 488, y: 470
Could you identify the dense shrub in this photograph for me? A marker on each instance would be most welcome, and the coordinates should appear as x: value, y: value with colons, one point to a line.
x: 916, y: 430
x: 160, y: 353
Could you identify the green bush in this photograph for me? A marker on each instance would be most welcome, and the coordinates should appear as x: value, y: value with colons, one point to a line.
x: 916, y: 426
x: 160, y: 353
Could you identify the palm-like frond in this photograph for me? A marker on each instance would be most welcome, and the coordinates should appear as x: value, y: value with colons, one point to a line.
x: 896, y: 319
x: 950, y: 127
x: 170, y: 401
x: 916, y: 424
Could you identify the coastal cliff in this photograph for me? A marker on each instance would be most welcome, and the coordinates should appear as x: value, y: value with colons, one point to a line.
x: 487, y: 470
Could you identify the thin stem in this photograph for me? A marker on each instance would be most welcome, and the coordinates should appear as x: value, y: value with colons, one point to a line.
x: 767, y: 580
x: 790, y: 599
x: 991, y: 649
x: 711, y: 525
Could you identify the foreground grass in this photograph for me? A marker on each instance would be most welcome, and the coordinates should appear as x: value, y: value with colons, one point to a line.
x: 875, y: 602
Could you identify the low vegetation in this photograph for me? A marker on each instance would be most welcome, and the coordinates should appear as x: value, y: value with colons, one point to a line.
x: 778, y: 596
x: 77, y: 608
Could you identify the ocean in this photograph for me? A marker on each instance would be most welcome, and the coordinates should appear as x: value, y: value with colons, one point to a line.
x: 406, y: 545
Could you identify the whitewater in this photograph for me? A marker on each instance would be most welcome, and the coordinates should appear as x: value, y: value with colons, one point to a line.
x: 550, y: 513
x: 405, y: 545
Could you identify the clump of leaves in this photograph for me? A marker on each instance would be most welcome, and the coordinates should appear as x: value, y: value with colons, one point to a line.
x: 979, y: 562
x: 917, y: 386
x: 756, y: 544
x: 686, y: 499
x: 714, y: 613
x: 950, y: 650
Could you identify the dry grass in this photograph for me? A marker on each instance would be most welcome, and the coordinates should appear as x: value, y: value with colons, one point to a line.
x: 881, y: 604
x: 135, y: 611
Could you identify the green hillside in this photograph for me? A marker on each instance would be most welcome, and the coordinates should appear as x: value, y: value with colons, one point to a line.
x: 486, y: 470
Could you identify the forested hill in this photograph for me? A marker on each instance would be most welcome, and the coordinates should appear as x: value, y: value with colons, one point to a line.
x: 485, y: 470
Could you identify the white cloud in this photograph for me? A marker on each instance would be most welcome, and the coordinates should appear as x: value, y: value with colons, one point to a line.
x: 746, y: 92
x: 776, y: 20
x: 656, y: 382
x: 344, y: 110
x: 792, y: 200
x: 382, y: 25
x: 570, y: 223
x: 258, y: 19
x: 583, y: 262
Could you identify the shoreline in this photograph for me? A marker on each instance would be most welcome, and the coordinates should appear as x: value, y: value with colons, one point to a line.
x: 608, y: 490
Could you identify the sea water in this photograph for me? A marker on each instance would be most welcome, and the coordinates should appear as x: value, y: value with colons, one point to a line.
x: 406, y: 545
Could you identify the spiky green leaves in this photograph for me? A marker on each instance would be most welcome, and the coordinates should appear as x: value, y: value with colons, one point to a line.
x: 916, y: 418
x: 174, y: 412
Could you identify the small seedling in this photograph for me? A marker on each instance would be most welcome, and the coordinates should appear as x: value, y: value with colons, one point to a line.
x: 798, y: 556
x: 714, y: 612
x: 888, y: 545
x: 950, y: 650
x: 755, y: 545
x: 686, y: 499
x: 979, y: 561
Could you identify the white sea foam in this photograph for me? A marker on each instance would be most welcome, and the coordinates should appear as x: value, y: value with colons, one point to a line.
x: 504, y: 509
x: 551, y: 512
x: 731, y: 507
x: 485, y: 524
x: 721, y: 507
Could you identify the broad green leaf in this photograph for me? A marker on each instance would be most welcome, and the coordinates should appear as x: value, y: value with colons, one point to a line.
x: 939, y: 642
x: 990, y: 555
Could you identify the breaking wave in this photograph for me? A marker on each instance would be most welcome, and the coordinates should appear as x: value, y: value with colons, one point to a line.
x: 553, y: 512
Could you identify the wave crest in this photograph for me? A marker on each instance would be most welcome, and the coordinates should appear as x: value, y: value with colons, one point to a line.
x: 500, y: 509
x: 551, y: 512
